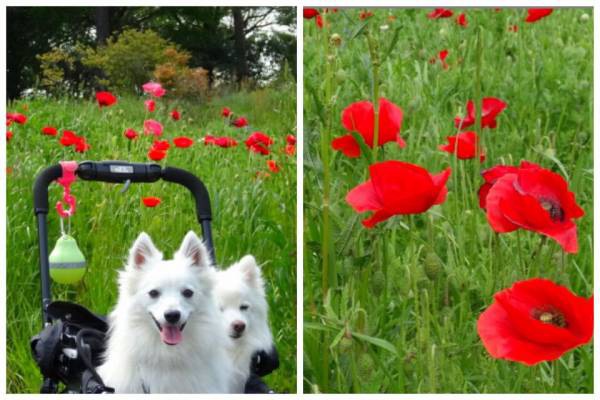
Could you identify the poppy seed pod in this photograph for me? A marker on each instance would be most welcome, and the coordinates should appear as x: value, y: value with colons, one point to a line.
x: 335, y: 40
x: 378, y: 282
x: 432, y: 265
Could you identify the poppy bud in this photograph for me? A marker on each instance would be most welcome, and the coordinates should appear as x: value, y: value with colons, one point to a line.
x: 378, y: 282
x: 335, y: 40
x: 341, y: 75
x: 366, y: 366
x: 432, y: 265
x: 584, y: 17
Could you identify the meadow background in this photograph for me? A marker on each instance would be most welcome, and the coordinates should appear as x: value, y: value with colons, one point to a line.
x: 416, y: 331
x: 254, y: 209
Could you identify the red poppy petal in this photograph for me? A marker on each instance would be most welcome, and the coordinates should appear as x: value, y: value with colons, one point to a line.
x: 377, y: 217
x: 360, y: 117
x: 502, y: 188
x: 565, y: 235
x: 390, y: 122
x: 403, y: 188
x: 347, y: 145
x: 364, y: 198
x: 439, y: 182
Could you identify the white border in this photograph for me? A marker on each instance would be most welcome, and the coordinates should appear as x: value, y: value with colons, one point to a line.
x: 300, y: 174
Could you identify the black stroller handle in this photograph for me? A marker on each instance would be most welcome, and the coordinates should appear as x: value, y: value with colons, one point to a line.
x: 114, y: 172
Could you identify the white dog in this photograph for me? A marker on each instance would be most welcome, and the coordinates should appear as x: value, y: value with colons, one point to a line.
x: 166, y: 334
x: 240, y: 295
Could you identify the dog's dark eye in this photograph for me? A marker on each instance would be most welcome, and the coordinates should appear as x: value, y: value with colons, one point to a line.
x: 244, y: 307
x: 187, y: 293
x: 154, y: 293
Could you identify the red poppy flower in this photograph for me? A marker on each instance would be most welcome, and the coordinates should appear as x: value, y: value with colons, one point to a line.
x: 464, y: 146
x: 290, y: 149
x: 258, y: 142
x: 9, y: 122
x: 491, y: 108
x: 442, y: 56
x: 105, y: 99
x: 156, y: 155
x: 534, y: 199
x: 397, y: 187
x: 68, y: 138
x: 360, y: 117
x: 130, y: 134
x: 535, y: 14
x: 290, y: 139
x: 513, y: 28
x: 15, y: 117
x: 365, y: 14
x: 49, y: 131
x: 462, y: 20
x: 150, y: 105
x: 153, y: 127
x: 9, y: 135
x: 81, y: 145
x: 154, y: 89
x: 240, y: 122
x: 440, y: 13
x: 162, y: 145
x: 151, y: 201
x: 209, y: 139
x: 183, y: 142
x: 175, y: 115
x: 310, y: 12
x: 272, y: 164
x: 226, y: 142
x: 535, y: 320
x: 226, y: 112
x: 319, y: 21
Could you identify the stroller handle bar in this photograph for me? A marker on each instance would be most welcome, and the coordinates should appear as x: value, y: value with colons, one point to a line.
x: 114, y: 172
x: 120, y: 172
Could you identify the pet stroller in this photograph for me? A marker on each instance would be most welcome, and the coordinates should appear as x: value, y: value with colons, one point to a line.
x: 70, y: 346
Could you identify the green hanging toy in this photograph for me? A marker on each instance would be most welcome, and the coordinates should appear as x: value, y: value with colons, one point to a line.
x: 67, y: 262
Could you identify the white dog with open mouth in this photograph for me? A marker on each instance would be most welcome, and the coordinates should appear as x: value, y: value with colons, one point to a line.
x: 240, y: 295
x: 166, y: 333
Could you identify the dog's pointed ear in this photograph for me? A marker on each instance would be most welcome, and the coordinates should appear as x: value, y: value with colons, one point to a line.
x: 193, y: 249
x: 250, y: 270
x: 142, y: 251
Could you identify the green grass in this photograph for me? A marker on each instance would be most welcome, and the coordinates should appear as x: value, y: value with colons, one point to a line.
x: 250, y: 215
x: 411, y: 333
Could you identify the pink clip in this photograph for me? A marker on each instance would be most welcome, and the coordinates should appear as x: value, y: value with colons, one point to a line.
x: 68, y: 177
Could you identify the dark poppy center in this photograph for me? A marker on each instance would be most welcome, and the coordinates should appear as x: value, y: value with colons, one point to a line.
x: 551, y: 316
x: 554, y: 209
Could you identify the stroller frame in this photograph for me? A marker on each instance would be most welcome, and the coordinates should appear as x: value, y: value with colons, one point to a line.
x: 111, y: 172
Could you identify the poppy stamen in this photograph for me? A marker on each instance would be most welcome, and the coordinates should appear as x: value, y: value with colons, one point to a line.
x: 552, y: 317
x: 555, y: 211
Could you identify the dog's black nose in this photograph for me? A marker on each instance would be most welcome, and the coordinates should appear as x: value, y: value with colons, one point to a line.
x: 238, y: 326
x: 172, y: 317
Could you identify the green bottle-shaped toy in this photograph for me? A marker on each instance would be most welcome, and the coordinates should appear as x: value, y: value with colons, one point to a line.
x: 67, y: 263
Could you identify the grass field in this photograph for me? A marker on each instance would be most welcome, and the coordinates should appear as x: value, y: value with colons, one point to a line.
x: 250, y: 214
x: 375, y: 321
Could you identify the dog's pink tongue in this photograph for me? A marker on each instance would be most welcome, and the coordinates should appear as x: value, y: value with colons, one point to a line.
x: 170, y: 334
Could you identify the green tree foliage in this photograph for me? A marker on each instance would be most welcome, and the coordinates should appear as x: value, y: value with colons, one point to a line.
x: 205, y: 32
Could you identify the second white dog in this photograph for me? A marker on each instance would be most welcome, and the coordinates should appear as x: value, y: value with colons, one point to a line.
x: 240, y: 295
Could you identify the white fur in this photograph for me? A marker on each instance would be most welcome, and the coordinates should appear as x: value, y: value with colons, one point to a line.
x: 242, y: 284
x: 137, y: 359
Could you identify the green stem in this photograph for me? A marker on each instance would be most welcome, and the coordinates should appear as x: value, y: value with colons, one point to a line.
x: 375, y: 63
